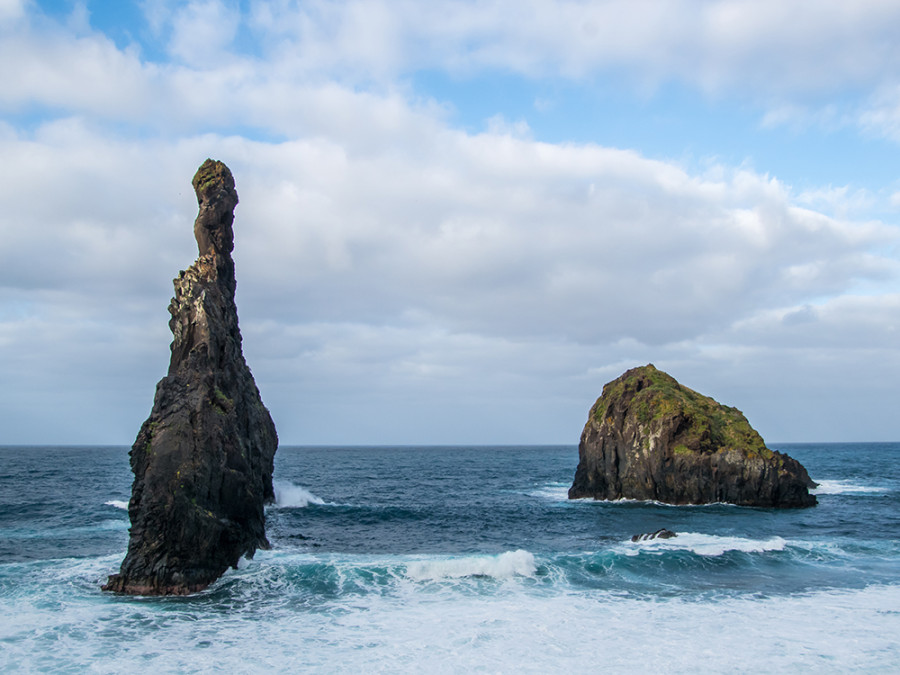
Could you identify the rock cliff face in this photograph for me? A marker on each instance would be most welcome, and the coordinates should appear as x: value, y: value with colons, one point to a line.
x: 649, y: 438
x: 203, y: 460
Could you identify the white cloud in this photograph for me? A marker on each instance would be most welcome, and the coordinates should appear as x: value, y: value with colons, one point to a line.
x: 847, y: 321
x: 53, y: 67
x: 842, y: 201
x: 202, y: 31
x: 768, y: 45
x: 880, y: 114
x: 497, y: 125
x: 82, y: 208
x: 791, y: 57
x: 431, y: 265
x: 804, y: 62
x: 11, y: 10
x: 827, y: 117
x: 425, y: 282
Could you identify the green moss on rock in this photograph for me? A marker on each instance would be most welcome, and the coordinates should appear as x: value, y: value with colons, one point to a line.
x: 645, y: 419
x: 211, y: 173
x: 709, y: 426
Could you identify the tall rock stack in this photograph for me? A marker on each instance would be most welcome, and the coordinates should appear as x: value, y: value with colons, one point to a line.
x: 203, y: 460
x: 650, y: 438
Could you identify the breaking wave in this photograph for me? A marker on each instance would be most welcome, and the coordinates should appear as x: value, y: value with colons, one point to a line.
x: 557, y: 492
x: 504, y: 566
x: 290, y: 496
x: 706, y: 544
x: 842, y: 487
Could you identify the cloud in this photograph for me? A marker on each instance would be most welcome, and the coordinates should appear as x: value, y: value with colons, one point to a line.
x: 399, y: 279
x: 839, y: 201
x: 80, y: 208
x: 493, y: 234
x: 499, y: 126
x: 11, y: 10
x: 769, y: 46
x: 55, y: 68
x: 849, y: 321
x: 202, y: 32
x: 798, y: 60
x: 880, y: 114
x: 426, y: 267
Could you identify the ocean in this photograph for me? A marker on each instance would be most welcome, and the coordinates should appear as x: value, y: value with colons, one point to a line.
x: 461, y: 559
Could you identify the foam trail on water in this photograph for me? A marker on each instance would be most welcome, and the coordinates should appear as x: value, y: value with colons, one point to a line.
x: 557, y: 492
x: 841, y: 487
x: 504, y: 566
x: 649, y: 502
x: 706, y: 544
x: 118, y: 503
x: 288, y: 495
x: 504, y: 628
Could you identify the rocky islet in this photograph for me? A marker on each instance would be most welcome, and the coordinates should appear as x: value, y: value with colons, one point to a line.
x: 203, y: 460
x: 649, y: 438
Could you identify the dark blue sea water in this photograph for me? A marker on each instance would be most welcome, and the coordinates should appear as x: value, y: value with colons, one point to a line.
x: 450, y: 559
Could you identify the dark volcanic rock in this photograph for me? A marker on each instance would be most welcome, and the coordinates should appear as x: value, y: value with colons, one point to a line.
x: 659, y: 534
x: 203, y: 460
x: 649, y: 438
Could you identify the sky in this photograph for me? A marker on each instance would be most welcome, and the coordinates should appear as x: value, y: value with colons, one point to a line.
x: 458, y: 219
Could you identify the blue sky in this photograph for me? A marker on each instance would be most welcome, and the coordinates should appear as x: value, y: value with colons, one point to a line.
x: 458, y: 220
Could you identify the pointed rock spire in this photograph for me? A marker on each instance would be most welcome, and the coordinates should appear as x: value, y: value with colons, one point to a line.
x: 203, y: 460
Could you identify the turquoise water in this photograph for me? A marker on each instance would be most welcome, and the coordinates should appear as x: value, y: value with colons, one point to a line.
x: 461, y: 558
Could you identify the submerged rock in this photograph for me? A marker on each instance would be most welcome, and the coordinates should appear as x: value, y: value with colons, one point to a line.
x: 203, y: 460
x: 649, y: 438
x: 659, y: 534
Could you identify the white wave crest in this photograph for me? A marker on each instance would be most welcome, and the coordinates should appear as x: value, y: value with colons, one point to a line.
x: 118, y: 503
x: 841, y: 487
x: 557, y: 492
x: 707, y: 544
x: 288, y: 495
x: 504, y: 566
x: 652, y: 502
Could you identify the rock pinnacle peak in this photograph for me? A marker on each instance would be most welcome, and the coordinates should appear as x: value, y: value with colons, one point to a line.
x: 216, y: 198
x: 203, y: 460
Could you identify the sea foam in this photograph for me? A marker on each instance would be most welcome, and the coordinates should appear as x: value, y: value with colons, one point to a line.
x: 706, y: 544
x: 504, y: 566
x: 498, y: 629
x: 841, y: 487
x: 117, y: 503
x: 557, y: 492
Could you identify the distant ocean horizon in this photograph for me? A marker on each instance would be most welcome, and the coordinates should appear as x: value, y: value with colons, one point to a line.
x: 444, y: 559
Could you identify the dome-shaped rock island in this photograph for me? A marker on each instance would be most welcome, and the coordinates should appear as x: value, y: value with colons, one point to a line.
x: 650, y: 438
